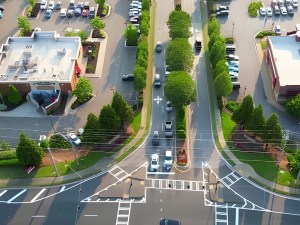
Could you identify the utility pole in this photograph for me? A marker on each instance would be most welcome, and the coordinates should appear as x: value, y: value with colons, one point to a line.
x: 54, y: 166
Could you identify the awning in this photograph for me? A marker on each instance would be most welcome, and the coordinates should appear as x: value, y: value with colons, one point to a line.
x: 77, y: 69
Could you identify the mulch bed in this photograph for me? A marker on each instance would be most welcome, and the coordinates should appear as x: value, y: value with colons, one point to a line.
x: 60, y: 156
x: 92, y: 61
x: 35, y: 10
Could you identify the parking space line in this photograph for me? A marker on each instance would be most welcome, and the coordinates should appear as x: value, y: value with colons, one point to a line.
x: 17, y: 195
x: 62, y: 188
x: 3, y: 192
x: 38, y: 195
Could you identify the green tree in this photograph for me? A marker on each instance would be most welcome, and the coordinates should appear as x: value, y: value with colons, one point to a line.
x: 84, y: 90
x: 132, y: 35
x: 293, y: 106
x: 214, y: 38
x: 97, y: 23
x: 180, y: 55
x: 122, y: 109
x: 244, y: 112
x: 92, y: 131
x: 140, y: 76
x: 223, y: 84
x: 257, y: 122
x: 44, y: 144
x: 143, y: 45
x: 32, y: 3
x: 100, y: 2
x: 220, y: 68
x: 273, y: 132
x: 5, y: 146
x: 213, y: 26
x: 179, y: 24
x: 142, y: 60
x: 28, y: 152
x: 24, y: 25
x: 217, y: 52
x: 294, y: 161
x: 146, y: 5
x: 144, y: 27
x: 180, y: 89
x: 108, y: 118
x: 83, y: 35
x: 14, y: 96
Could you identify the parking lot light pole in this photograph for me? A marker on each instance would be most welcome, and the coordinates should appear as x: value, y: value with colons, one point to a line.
x: 113, y: 91
x: 52, y: 124
x: 232, y: 28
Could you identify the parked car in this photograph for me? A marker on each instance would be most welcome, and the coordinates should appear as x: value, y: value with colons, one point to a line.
x: 87, y: 5
x: 51, y: 5
x: 280, y: 3
x: 168, y: 129
x: 128, y: 77
x: 157, y: 82
x: 222, y: 8
x: 155, y: 138
x: 137, y: 6
x: 63, y: 12
x: 283, y: 10
x: 232, y: 64
x: 158, y: 47
x: 222, y: 13
x: 262, y: 11
x: 92, y: 13
x: 78, y: 12
x: 290, y: 10
x: 288, y: 2
x: 169, y: 222
x: 169, y: 106
x: 80, y: 5
x: 233, y: 69
x: 85, y: 13
x: 269, y: 11
x: 135, y: 13
x: 154, y: 162
x: 233, y: 75
x: 70, y: 13
x: 48, y: 14
x: 136, y: 2
x: 276, y: 10
x: 43, y: 4
x: 1, y: 11
x: 167, y: 70
x: 72, y: 4
x: 58, y: 5
x: 295, y: 3
x: 232, y: 57
x: 74, y: 139
x: 277, y: 30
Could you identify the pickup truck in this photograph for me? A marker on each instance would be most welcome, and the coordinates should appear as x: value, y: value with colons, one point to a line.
x: 168, y: 129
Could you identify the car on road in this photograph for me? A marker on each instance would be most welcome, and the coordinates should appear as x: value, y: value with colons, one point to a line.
x: 290, y: 10
x: 295, y: 3
x: 58, y: 5
x: 169, y: 222
x: 155, y: 138
x: 168, y: 159
x: 283, y: 10
x: 269, y: 11
x: 74, y: 139
x: 169, y: 106
x: 128, y: 77
x: 43, y: 4
x: 222, y: 13
x: 157, y: 82
x: 92, y: 13
x: 277, y: 30
x: 70, y: 13
x: 232, y: 57
x: 276, y: 10
x: 158, y: 47
x: 167, y: 70
x: 154, y: 162
x: 262, y: 11
x: 233, y: 69
x: 168, y: 129
x: 233, y: 75
x: 63, y: 12
x: 51, y: 5
x: 48, y: 14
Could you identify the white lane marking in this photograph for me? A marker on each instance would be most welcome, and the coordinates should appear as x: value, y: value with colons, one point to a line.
x: 38, y: 216
x: 38, y: 195
x: 90, y: 215
x: 62, y: 188
x: 3, y: 192
x: 17, y: 195
x: 168, y: 173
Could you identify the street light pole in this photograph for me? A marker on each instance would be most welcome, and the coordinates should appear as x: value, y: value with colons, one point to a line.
x: 54, y: 166
x: 113, y: 91
x: 52, y: 124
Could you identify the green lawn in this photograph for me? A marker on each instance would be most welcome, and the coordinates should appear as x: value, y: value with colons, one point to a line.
x: 262, y: 163
x: 15, y: 172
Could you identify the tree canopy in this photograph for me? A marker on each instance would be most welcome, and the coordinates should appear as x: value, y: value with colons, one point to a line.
x: 122, y: 109
x: 180, y: 89
x: 293, y: 106
x: 245, y: 111
x: 180, y: 55
x: 84, y: 90
x: 223, y: 84
x: 140, y: 76
x: 273, y: 132
x: 213, y: 26
x: 257, y: 121
x: 220, y: 68
x: 217, y: 52
x: 14, y: 96
x: 92, y: 130
x: 108, y: 118
x: 28, y: 152
x: 132, y: 35
x: 97, y: 23
x: 179, y: 24
x: 24, y: 25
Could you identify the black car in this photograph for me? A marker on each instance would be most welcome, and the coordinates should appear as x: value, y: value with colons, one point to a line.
x: 70, y: 13
x: 157, y: 83
x: 78, y: 11
x: 222, y: 13
x: 128, y: 77
x: 158, y: 47
x: 169, y: 222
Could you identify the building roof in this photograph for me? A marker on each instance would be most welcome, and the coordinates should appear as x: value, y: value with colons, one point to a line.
x: 286, y: 52
x: 42, y: 57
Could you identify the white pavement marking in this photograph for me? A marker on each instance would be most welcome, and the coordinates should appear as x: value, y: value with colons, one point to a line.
x: 118, y: 172
x: 123, y: 212
x: 38, y: 216
x: 91, y: 215
x: 237, y: 216
x: 38, y: 195
x: 3, y: 192
x: 162, y: 173
x: 183, y: 185
x: 62, y: 188
x: 157, y: 99
x: 17, y: 195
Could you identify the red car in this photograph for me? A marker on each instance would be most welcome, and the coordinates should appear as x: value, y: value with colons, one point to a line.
x: 85, y: 13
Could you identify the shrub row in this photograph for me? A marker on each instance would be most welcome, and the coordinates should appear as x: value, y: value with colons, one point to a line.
x: 57, y: 141
x: 5, y: 155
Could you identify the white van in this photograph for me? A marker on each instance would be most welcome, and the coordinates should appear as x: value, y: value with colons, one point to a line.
x: 168, y: 159
x: 230, y: 48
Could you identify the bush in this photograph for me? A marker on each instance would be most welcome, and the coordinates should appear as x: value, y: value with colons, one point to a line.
x: 5, y: 155
x: 220, y: 103
x: 265, y: 33
x: 253, y: 8
x: 181, y: 123
x: 231, y: 106
x: 9, y: 162
x: 229, y: 40
x: 57, y: 141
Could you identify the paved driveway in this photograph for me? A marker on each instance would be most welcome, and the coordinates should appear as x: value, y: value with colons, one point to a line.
x: 243, y: 28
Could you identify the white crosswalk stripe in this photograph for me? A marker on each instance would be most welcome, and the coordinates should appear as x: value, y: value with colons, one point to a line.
x: 123, y: 212
x: 184, y: 185
x: 118, y: 173
x: 230, y: 179
x: 3, y: 192
x: 221, y: 215
x: 38, y: 195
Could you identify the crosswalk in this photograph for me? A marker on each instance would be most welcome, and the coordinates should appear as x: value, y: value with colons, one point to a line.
x: 184, y: 185
x: 230, y: 179
x: 123, y: 212
x: 118, y: 173
x: 221, y: 215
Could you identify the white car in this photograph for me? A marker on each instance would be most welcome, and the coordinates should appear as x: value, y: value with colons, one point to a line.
x: 277, y: 30
x: 43, y: 4
x: 283, y: 10
x: 154, y: 162
x: 262, y: 11
x: 63, y: 12
x: 233, y: 63
x: 74, y: 139
x: 233, y: 75
x: 51, y: 5
x: 232, y: 57
x: 295, y: 3
x: 269, y: 11
x: 280, y: 3
x: 167, y: 70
